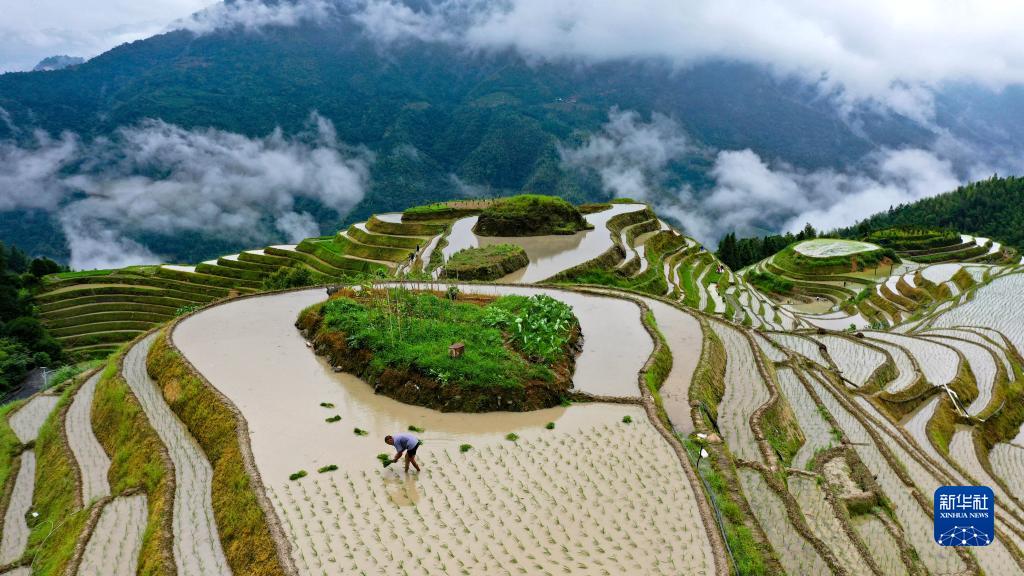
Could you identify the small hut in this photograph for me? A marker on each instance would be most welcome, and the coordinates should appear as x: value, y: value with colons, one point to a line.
x: 456, y: 350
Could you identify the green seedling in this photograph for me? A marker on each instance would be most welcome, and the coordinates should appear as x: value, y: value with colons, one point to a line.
x: 327, y: 405
x: 334, y: 418
x: 297, y: 475
x: 384, y: 459
x: 416, y: 429
x: 465, y: 448
x: 328, y: 468
x: 550, y: 425
x: 360, y: 432
x: 627, y: 419
x: 512, y: 436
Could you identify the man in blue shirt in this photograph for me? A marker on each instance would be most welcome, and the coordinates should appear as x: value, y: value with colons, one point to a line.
x: 406, y: 443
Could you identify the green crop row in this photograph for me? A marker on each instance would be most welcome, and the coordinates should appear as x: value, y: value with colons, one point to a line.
x: 384, y: 241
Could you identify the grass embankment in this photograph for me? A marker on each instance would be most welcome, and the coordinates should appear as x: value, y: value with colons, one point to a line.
x: 10, y: 448
x: 659, y: 368
x: 768, y: 282
x: 652, y: 281
x: 519, y: 351
x: 137, y: 460
x: 530, y: 215
x: 441, y: 211
x: 789, y: 259
x: 62, y: 517
x: 486, y: 263
x: 241, y: 523
x: 904, y: 239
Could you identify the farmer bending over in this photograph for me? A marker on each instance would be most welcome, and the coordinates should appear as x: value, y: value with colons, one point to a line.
x: 406, y: 443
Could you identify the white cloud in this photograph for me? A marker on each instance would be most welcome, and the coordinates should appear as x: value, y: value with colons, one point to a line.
x: 630, y: 155
x: 892, y: 53
x: 254, y: 14
x: 635, y: 158
x: 162, y: 179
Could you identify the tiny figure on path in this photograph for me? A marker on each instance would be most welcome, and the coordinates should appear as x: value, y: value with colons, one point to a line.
x: 407, y: 444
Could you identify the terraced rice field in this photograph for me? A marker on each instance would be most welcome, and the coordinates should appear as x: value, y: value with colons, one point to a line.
x: 685, y: 338
x: 916, y: 523
x: 745, y: 391
x: 856, y: 362
x: 197, y: 547
x: 519, y: 508
x: 827, y: 247
x: 796, y: 554
x: 800, y: 345
x: 983, y: 366
x: 116, y: 541
x: 938, y: 363
x: 907, y: 370
x: 15, y: 535
x: 883, y: 547
x: 27, y: 421
x: 995, y: 306
x: 825, y: 525
x: 92, y: 460
x: 817, y: 431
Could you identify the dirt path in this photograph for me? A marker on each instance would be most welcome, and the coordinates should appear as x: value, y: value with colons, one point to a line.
x: 92, y: 459
x: 197, y: 548
x: 113, y: 549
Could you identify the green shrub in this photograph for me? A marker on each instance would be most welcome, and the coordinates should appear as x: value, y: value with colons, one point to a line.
x: 485, y: 263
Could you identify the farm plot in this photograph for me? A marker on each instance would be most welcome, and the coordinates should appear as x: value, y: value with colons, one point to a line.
x: 506, y: 508
x: 961, y: 450
x: 113, y: 548
x: 768, y: 349
x: 1007, y: 462
x: 796, y: 554
x: 855, y: 361
x: 995, y: 305
x: 939, y: 363
x: 917, y: 525
x: 197, y: 547
x: 27, y: 421
x: 915, y: 424
x: 745, y: 391
x: 826, y: 247
x: 995, y: 347
x: 822, y: 520
x: 89, y: 454
x: 817, y: 431
x: 800, y: 345
x: 883, y: 547
x: 941, y: 273
x: 15, y: 535
x: 685, y: 339
x: 982, y: 364
x: 908, y: 373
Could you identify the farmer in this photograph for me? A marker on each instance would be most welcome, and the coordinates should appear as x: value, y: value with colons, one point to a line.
x: 406, y: 443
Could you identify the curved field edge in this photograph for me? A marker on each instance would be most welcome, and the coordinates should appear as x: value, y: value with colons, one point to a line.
x: 10, y: 451
x: 248, y: 529
x: 57, y: 492
x: 138, y: 461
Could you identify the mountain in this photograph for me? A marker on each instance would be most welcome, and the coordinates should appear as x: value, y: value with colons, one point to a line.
x: 57, y: 63
x: 442, y: 121
x: 992, y: 208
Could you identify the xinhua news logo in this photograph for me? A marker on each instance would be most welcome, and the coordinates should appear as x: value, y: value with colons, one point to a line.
x: 965, y: 516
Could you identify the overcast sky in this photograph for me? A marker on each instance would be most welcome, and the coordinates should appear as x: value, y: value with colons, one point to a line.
x: 31, y: 30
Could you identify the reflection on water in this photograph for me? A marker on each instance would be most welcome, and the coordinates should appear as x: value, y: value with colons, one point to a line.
x: 548, y: 255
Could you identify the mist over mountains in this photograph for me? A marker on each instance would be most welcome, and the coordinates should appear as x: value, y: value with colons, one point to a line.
x: 256, y: 122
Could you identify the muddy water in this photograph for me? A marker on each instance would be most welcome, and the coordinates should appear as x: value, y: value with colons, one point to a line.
x: 548, y: 255
x: 251, y: 351
x: 686, y: 339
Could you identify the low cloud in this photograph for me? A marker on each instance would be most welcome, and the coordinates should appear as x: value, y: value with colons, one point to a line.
x: 252, y: 15
x: 634, y: 158
x: 159, y: 178
x: 893, y: 54
x: 629, y: 154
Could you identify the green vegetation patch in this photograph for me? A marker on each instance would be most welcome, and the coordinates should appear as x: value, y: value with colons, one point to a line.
x: 913, y: 238
x: 518, y: 351
x: 530, y: 215
x: 485, y: 263
x: 241, y: 524
x: 768, y: 282
x: 792, y: 259
x: 137, y: 460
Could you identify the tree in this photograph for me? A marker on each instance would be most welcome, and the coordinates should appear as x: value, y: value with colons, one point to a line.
x: 42, y: 266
